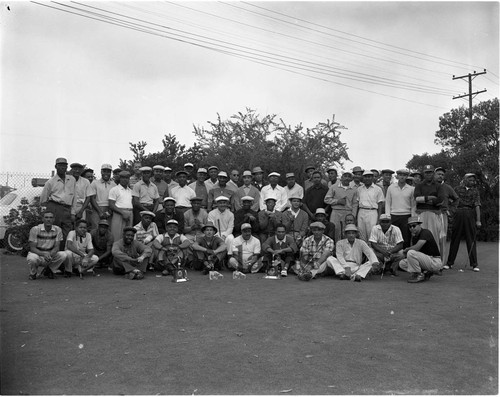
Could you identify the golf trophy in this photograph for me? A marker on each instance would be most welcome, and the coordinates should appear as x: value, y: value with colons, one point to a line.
x: 273, y: 271
x: 179, y: 272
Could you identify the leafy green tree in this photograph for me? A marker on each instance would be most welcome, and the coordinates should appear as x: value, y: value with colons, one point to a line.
x: 470, y: 147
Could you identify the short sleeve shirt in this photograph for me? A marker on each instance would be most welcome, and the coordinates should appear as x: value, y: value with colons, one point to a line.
x: 430, y: 247
x: 82, y: 243
x: 45, y: 240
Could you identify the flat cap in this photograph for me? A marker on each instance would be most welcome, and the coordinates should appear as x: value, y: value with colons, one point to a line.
x: 469, y: 174
x: 106, y: 166
x: 257, y: 170
x: 61, y: 160
x: 145, y: 169
x: 150, y: 213
x: 247, y: 198
x: 274, y: 174
x: 320, y: 211
x: 289, y: 175
x: 295, y: 198
x: 159, y: 167
x: 357, y: 169
x: 387, y: 171
x: 188, y: 165
x: 319, y: 225
x: 403, y: 171
x: 124, y: 174
x: 270, y: 198
x: 351, y: 228
x: 221, y: 198
x: 331, y: 168
x: 172, y: 222
x: 167, y: 169
x: 202, y: 170
x: 247, y: 173
x: 367, y: 173
x: 385, y: 217
x: 310, y: 167
x: 117, y: 170
x: 180, y: 173
x: 414, y: 219
x: 213, y: 167
x: 439, y: 169
x: 196, y: 199
x: 103, y: 222
x: 223, y: 174
x: 246, y: 226
x: 129, y: 229
x: 76, y: 165
x: 169, y: 199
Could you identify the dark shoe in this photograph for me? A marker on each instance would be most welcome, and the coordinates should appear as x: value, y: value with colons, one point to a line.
x: 343, y: 276
x: 67, y: 274
x: 32, y: 276
x: 165, y: 273
x: 49, y: 273
x: 205, y: 271
x: 420, y: 277
x: 427, y: 275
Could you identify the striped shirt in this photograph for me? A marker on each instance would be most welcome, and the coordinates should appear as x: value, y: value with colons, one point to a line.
x: 45, y: 240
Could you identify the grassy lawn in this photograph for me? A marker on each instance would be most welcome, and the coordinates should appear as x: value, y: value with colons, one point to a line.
x: 110, y: 335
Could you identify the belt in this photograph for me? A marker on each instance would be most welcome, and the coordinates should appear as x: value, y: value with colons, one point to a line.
x: 368, y: 209
x: 64, y: 205
x: 465, y: 208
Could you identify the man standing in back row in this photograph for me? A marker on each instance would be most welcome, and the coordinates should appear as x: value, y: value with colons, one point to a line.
x: 58, y: 195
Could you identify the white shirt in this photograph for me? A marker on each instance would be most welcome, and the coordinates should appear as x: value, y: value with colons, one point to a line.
x: 278, y: 193
x: 387, y: 240
x: 400, y: 201
x: 122, y: 196
x: 182, y: 195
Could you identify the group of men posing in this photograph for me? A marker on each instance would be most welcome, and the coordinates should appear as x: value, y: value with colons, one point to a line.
x: 350, y: 228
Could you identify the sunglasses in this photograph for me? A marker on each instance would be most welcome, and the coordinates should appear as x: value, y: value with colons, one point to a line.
x: 413, y: 226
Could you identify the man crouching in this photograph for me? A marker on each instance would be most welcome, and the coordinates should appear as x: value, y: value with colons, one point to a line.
x: 130, y: 257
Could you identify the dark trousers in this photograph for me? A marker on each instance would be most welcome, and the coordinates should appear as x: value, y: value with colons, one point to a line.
x: 464, y: 225
x: 401, y: 221
x: 62, y: 218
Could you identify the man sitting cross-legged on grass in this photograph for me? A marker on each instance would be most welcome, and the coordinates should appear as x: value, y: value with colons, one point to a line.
x: 44, y: 240
x: 350, y: 255
x: 245, y: 252
x: 130, y: 257
x: 80, y: 256
x: 422, y: 257
x: 209, y: 250
x: 170, y: 249
x: 282, y: 247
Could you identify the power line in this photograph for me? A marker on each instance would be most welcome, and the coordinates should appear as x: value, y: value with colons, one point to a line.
x: 353, y: 35
x: 360, y: 77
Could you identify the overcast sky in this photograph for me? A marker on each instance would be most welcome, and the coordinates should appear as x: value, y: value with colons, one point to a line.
x: 83, y: 89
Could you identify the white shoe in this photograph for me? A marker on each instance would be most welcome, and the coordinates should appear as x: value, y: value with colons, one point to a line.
x: 475, y: 269
x: 446, y: 267
x: 284, y: 273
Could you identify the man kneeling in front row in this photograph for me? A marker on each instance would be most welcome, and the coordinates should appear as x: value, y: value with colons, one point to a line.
x: 422, y: 257
x: 44, y: 252
x: 130, y: 257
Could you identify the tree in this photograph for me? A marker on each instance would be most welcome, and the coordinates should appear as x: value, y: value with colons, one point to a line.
x: 470, y: 147
x: 247, y: 140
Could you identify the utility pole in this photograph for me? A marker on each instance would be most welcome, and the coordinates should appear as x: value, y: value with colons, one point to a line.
x: 470, y: 77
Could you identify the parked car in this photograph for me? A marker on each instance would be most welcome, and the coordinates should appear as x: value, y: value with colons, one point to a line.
x: 12, y: 200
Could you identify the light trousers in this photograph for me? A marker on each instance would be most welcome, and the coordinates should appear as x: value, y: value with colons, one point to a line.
x: 416, y: 262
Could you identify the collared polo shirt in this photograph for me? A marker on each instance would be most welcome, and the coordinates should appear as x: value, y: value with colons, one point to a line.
x: 45, y: 240
x: 122, y: 196
x: 100, y: 188
x: 244, y: 249
x: 223, y: 221
x: 147, y: 194
x: 369, y: 197
x: 82, y: 243
x: 311, y: 248
x: 182, y: 195
x: 295, y: 191
x: 61, y: 191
